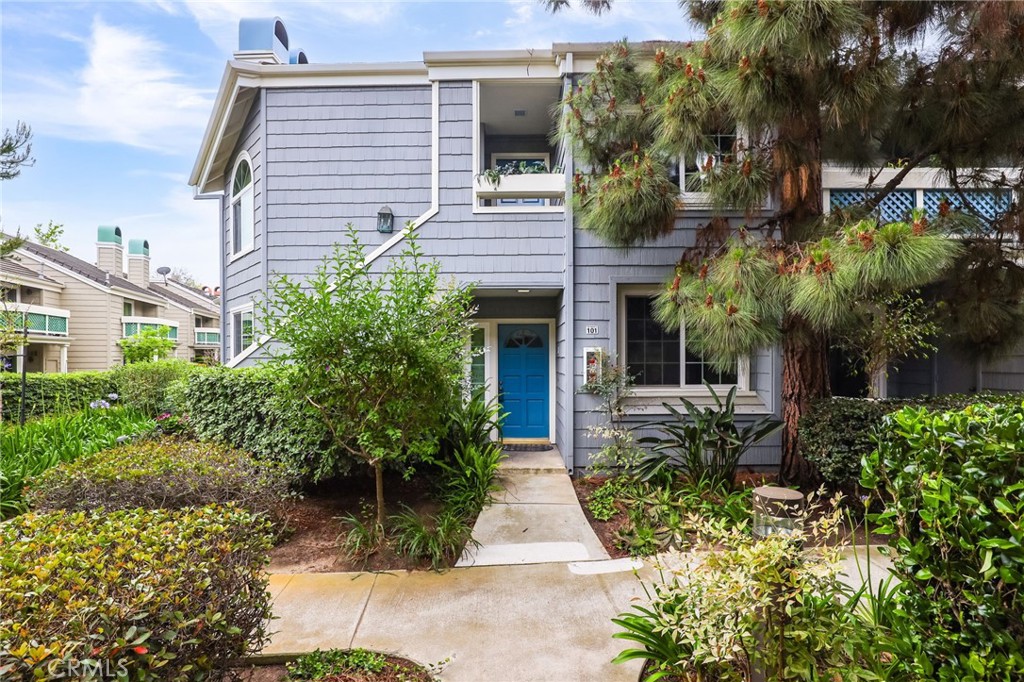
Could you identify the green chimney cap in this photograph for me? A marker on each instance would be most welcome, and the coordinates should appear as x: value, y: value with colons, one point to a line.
x: 138, y: 247
x: 108, y: 234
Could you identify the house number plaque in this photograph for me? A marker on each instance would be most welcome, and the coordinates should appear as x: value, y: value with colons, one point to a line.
x: 592, y: 330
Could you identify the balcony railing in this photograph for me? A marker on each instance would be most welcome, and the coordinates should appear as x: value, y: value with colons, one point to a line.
x: 206, y: 336
x: 41, y: 320
x: 924, y: 188
x: 531, y: 189
x: 130, y: 326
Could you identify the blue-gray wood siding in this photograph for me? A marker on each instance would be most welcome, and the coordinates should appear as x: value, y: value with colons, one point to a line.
x: 336, y: 156
x: 489, y: 249
x: 600, y: 273
x: 243, y: 276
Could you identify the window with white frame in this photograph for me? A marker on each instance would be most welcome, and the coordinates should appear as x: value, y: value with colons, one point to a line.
x: 242, y: 335
x: 243, y: 227
x: 659, y: 358
x: 689, y: 173
x: 477, y: 367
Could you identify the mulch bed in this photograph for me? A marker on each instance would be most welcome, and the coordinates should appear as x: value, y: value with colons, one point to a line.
x: 313, y: 543
x: 397, y: 670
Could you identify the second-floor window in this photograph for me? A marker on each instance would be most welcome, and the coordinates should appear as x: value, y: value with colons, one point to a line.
x: 128, y: 309
x: 689, y: 173
x: 243, y: 228
x: 242, y: 335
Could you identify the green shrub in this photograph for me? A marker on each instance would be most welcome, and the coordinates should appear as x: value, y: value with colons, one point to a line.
x: 468, y: 479
x: 161, y: 474
x: 243, y: 408
x: 144, y: 385
x: 704, y: 444
x: 169, y: 595
x: 439, y: 539
x: 30, y: 450
x: 52, y: 394
x: 771, y: 606
x: 837, y: 433
x: 953, y: 485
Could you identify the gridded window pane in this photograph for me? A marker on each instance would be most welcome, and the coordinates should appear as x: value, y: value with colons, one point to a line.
x: 722, y: 144
x: 476, y: 366
x: 698, y: 371
x: 242, y: 331
x: 652, y: 354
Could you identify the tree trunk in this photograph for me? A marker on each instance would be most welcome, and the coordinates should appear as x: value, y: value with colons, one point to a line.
x: 804, y: 378
x: 378, y: 473
x: 804, y: 350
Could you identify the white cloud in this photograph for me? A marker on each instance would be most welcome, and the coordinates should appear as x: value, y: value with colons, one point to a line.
x: 522, y: 12
x: 126, y: 93
x: 218, y: 19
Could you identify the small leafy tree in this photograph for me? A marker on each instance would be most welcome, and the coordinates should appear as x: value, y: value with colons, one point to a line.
x: 380, y: 358
x: 148, y: 345
x: 50, y: 235
x: 11, y: 332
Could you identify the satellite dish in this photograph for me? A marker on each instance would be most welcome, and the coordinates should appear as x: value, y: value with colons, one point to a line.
x: 163, y: 271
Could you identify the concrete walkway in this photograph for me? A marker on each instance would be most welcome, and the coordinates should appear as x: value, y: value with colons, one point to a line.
x: 534, y: 602
x: 535, y: 518
x: 497, y: 623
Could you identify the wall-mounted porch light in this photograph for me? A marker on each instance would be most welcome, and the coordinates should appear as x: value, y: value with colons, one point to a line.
x: 385, y: 220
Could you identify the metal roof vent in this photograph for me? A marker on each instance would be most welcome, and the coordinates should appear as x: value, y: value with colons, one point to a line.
x: 263, y: 40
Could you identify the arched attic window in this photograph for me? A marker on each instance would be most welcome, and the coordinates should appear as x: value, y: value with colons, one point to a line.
x: 243, y: 227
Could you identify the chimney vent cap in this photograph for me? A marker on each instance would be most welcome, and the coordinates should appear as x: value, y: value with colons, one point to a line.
x: 138, y: 247
x: 108, y: 234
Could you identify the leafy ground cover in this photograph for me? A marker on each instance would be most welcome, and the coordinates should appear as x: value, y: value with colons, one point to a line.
x: 355, y: 665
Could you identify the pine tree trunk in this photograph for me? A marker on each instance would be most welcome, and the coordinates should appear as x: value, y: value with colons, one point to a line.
x: 804, y: 351
x: 804, y: 378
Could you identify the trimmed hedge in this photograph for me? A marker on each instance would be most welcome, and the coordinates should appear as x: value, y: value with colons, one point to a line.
x: 242, y: 407
x: 163, y: 474
x: 53, y: 394
x: 837, y: 433
x: 953, y: 487
x: 142, y: 385
x: 170, y: 595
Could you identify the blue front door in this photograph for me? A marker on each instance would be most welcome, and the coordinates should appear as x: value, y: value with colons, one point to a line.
x: 523, y: 379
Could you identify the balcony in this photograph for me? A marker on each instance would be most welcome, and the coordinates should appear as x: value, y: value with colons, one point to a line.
x: 522, y: 188
x: 40, y: 320
x: 130, y: 326
x: 207, y: 336
x: 924, y: 188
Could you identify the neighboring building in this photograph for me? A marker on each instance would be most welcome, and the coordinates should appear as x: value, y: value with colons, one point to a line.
x: 294, y: 151
x: 78, y: 311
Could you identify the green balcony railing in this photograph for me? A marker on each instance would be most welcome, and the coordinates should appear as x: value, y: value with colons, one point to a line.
x: 130, y: 326
x: 38, y: 319
x: 207, y: 337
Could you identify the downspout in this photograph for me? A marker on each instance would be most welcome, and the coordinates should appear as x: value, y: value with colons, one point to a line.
x: 569, y: 293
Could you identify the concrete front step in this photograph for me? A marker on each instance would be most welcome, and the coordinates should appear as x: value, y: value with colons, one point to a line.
x: 546, y: 462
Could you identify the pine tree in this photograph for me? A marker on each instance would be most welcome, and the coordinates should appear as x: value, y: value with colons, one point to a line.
x: 864, y: 84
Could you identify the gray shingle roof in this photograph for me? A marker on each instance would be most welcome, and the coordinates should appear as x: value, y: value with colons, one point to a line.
x: 165, y: 292
x: 11, y: 267
x: 84, y: 268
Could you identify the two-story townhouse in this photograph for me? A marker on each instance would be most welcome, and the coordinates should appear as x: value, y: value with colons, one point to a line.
x: 294, y: 151
x: 76, y: 311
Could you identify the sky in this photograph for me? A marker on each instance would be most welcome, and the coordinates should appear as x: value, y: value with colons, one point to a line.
x: 118, y: 94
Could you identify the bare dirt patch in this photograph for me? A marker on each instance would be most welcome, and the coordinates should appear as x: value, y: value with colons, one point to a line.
x: 316, y: 529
